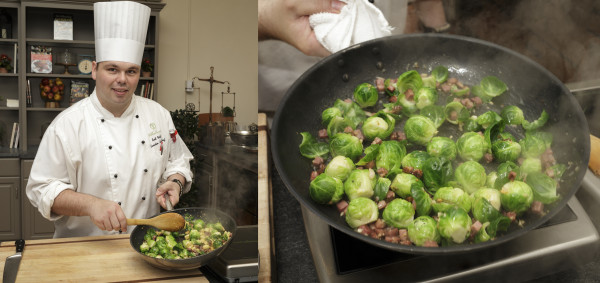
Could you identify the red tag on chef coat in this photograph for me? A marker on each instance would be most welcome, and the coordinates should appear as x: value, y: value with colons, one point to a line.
x: 173, y: 134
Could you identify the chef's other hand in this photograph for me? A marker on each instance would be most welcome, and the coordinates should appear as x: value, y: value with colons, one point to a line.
x: 108, y: 215
x: 287, y: 20
x: 168, y: 189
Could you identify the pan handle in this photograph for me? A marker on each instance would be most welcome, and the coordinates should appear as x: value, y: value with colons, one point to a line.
x: 594, y: 163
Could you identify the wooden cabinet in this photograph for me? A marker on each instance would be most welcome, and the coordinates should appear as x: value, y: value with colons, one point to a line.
x: 34, y: 225
x: 10, y: 199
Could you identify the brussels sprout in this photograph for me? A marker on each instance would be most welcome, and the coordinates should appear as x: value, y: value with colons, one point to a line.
x: 366, y: 95
x: 455, y: 225
x: 540, y: 122
x: 546, y: 137
x: 360, y: 183
x: 488, y: 118
x: 380, y: 125
x: 351, y: 111
x: 346, y: 145
x: 398, y: 213
x: 491, y: 195
x: 390, y: 156
x: 402, y: 183
x: 382, y: 186
x: 361, y: 211
x: 340, y: 167
x: 409, y: 107
x: 543, y: 187
x: 423, y: 230
x: 435, y: 113
x: 409, y: 80
x: 456, y: 91
x: 471, y: 146
x: 470, y: 175
x: 495, y: 132
x: 513, y: 115
x: 325, y: 189
x: 491, y: 179
x: 503, y: 172
x: 415, y: 159
x: 329, y: 114
x: 486, y: 205
x: 338, y: 125
x: 531, y: 165
x: 389, y: 92
x: 456, y: 112
x: 370, y: 154
x: 440, y: 73
x: 428, y: 81
x: 448, y: 197
x: 426, y: 96
x: 310, y: 148
x: 421, y: 198
x: 437, y: 171
x: 482, y: 235
x: 419, y: 130
x: 516, y: 196
x: 492, y: 86
x: 556, y: 171
x: 532, y: 145
x: 442, y: 147
x: 471, y: 125
x: 506, y: 150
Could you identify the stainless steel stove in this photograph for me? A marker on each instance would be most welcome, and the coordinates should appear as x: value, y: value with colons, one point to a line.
x: 568, y: 240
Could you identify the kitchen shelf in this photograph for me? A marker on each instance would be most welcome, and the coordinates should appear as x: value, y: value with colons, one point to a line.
x: 9, y: 108
x: 44, y: 109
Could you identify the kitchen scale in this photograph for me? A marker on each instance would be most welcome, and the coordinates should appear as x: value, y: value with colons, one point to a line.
x: 566, y: 241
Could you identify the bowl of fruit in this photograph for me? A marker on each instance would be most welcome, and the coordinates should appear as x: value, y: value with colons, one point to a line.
x: 52, y: 92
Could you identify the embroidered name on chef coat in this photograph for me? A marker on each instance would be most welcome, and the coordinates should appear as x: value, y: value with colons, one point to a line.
x: 155, y: 135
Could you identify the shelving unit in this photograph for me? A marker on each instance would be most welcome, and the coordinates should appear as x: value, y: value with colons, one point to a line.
x: 32, y: 25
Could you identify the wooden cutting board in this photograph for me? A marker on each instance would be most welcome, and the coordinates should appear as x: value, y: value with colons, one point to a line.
x: 265, y: 230
x: 89, y: 259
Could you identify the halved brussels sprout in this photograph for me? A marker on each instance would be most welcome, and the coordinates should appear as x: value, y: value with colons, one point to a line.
x: 426, y: 96
x: 428, y: 81
x: 409, y: 107
x: 471, y: 125
x: 516, y: 196
x: 382, y: 186
x: 437, y: 172
x: 398, y: 213
x: 456, y: 91
x: 402, y: 183
x: 435, y: 113
x: 488, y: 118
x: 440, y: 73
x: 423, y: 230
x: 370, y: 154
x: 512, y: 114
x: 486, y: 205
x: 421, y: 198
x: 503, y: 173
x: 325, y: 189
x: 492, y: 86
x: 340, y: 167
x: 366, y: 95
x: 415, y: 159
x: 419, y: 130
x: 532, y: 145
x: 409, y: 80
x: 346, y: 145
x: 448, y: 197
x: 543, y: 187
x: 361, y: 211
x: 337, y: 125
x: 329, y: 114
x: 380, y: 125
x: 471, y: 146
x: 442, y: 147
x: 311, y: 148
x: 506, y: 150
x: 360, y: 183
x: 395, y: 91
x: 491, y: 195
x: 390, y: 156
x: 351, y: 111
x: 455, y: 225
x: 540, y: 122
x: 531, y: 165
x: 456, y: 112
x: 471, y: 176
x: 491, y: 179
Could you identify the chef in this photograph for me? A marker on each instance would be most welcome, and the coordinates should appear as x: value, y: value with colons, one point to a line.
x: 113, y: 155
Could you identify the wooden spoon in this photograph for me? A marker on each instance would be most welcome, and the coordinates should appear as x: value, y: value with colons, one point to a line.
x: 594, y: 163
x: 167, y: 221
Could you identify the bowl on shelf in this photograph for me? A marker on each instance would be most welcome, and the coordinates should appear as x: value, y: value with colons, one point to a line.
x: 245, y: 138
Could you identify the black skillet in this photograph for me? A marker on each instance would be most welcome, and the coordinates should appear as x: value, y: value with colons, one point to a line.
x: 531, y: 87
x: 209, y: 215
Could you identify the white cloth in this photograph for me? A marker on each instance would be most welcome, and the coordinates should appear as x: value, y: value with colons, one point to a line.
x: 88, y: 150
x: 358, y: 21
x: 120, y: 31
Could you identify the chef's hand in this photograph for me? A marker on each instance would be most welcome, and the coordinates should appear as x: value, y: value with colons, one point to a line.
x: 107, y: 215
x: 168, y: 189
x: 287, y: 20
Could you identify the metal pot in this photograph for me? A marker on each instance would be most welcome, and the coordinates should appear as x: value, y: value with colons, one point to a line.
x: 208, y: 215
x: 245, y: 138
x: 531, y: 87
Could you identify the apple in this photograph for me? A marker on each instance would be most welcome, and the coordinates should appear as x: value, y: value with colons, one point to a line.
x: 45, y: 81
x: 61, y: 87
x: 55, y: 89
x: 50, y: 96
x: 47, y: 89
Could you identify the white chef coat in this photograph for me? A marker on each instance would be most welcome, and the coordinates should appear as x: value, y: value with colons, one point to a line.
x: 124, y: 159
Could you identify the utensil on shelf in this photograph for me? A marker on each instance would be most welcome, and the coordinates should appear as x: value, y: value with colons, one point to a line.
x: 11, y: 266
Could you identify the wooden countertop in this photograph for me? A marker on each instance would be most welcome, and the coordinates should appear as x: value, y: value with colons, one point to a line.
x: 88, y: 259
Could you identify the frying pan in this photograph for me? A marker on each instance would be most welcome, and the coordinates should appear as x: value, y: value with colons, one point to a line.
x: 209, y: 215
x: 531, y: 87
